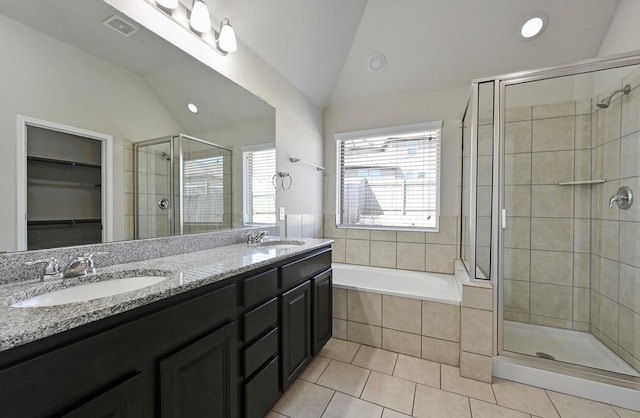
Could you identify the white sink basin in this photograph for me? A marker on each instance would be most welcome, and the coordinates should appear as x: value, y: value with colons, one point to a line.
x: 279, y: 245
x: 89, y: 291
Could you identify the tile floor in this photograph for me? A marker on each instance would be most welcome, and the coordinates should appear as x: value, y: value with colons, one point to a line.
x: 349, y: 380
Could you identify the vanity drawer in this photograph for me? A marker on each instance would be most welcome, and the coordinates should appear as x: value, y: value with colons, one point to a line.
x: 300, y: 270
x: 260, y: 319
x: 261, y: 393
x: 260, y: 351
x: 260, y: 288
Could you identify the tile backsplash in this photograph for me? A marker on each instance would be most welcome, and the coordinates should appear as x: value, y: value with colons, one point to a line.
x: 421, y: 251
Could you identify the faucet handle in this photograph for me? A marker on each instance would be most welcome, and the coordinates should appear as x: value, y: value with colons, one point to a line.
x: 51, y: 269
x: 88, y: 257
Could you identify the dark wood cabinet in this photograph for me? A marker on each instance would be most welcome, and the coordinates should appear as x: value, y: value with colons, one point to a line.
x: 121, y: 401
x: 322, y: 310
x: 296, y: 332
x: 227, y: 350
x: 199, y: 380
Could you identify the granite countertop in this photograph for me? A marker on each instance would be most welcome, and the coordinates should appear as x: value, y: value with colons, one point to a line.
x: 184, y: 272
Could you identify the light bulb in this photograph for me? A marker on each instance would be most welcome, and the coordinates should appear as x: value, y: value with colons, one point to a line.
x: 200, y: 20
x: 227, y: 39
x: 168, y: 4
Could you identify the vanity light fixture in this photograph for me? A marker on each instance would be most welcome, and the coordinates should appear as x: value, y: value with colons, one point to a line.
x: 168, y: 4
x: 227, y: 38
x: 192, y: 108
x: 534, y: 26
x: 200, y: 20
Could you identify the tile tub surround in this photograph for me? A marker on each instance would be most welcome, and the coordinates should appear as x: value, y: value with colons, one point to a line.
x: 185, y: 272
x: 12, y: 267
x: 414, y: 327
x: 476, y: 331
x: 420, y: 251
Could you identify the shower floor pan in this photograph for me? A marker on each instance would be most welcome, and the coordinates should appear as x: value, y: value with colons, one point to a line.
x: 564, y: 345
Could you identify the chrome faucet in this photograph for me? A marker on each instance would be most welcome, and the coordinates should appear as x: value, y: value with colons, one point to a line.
x: 50, y: 271
x: 81, y: 265
x: 256, y: 237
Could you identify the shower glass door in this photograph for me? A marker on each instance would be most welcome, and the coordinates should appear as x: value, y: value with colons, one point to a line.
x: 570, y: 272
x: 154, y: 200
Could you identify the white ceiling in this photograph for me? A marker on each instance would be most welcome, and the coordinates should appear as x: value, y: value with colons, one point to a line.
x: 322, y: 46
x: 175, y: 77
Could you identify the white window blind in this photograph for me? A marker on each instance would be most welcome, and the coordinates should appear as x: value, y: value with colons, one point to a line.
x: 204, y: 190
x: 259, y: 193
x: 390, y: 179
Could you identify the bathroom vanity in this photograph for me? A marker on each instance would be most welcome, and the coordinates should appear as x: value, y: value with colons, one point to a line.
x: 223, y: 336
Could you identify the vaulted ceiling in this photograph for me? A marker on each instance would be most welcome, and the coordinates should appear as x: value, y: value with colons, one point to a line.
x: 322, y: 46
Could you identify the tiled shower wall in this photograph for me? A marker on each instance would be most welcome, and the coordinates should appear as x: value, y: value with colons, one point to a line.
x: 547, y: 248
x: 615, y: 241
x: 421, y: 251
x: 570, y: 261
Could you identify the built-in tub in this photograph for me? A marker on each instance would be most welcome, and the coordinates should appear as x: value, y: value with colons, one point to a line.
x: 435, y: 287
x: 408, y: 312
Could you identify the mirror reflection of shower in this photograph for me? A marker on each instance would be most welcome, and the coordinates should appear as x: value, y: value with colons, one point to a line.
x: 182, y: 186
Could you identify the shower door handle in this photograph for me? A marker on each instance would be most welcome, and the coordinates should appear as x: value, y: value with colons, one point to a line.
x: 163, y: 203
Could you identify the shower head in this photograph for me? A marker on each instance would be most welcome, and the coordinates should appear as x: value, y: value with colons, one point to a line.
x: 604, y: 103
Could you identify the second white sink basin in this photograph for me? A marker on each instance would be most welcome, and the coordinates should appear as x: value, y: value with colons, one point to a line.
x: 89, y: 291
x: 280, y: 244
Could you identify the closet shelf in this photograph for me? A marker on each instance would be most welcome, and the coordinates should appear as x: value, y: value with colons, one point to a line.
x: 61, y: 183
x: 63, y: 162
x: 65, y: 222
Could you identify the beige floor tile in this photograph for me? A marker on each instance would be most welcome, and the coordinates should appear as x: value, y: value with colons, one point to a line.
x: 524, y: 398
x: 436, y: 403
x: 344, y: 377
x: 481, y: 409
x: 417, y: 370
x: 315, y: 369
x: 273, y: 414
x: 390, y: 392
x: 625, y: 413
x: 573, y: 407
x: 342, y: 406
x: 375, y: 359
x: 453, y: 382
x: 340, y: 350
x: 390, y: 413
x: 304, y: 400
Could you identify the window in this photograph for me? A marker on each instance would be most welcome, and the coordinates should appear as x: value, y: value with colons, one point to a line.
x: 389, y: 178
x: 204, y: 190
x: 259, y: 167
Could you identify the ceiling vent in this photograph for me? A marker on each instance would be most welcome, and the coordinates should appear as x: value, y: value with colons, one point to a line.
x: 120, y: 25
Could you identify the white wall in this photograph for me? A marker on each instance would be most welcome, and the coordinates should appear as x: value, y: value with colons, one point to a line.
x: 298, y: 121
x: 623, y: 34
x: 447, y: 106
x: 44, y: 78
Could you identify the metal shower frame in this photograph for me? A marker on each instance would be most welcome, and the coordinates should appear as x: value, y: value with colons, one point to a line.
x: 501, y: 82
x: 170, y: 140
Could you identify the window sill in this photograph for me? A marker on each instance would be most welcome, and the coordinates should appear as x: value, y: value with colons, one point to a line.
x: 390, y: 228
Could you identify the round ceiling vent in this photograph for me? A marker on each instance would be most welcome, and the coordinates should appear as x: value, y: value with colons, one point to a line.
x: 377, y: 63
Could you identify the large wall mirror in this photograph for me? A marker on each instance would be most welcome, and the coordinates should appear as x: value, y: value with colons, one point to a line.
x: 108, y: 133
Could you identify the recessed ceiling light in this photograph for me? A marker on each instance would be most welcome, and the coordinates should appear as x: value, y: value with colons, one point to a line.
x: 534, y: 26
x: 192, y: 108
x: 377, y: 63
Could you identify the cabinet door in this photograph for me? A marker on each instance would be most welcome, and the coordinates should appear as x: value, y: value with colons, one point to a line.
x: 296, y: 332
x: 121, y: 401
x: 200, y: 380
x: 322, y: 310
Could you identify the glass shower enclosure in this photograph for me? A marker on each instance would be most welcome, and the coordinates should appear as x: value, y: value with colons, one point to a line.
x: 182, y: 186
x: 550, y: 168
